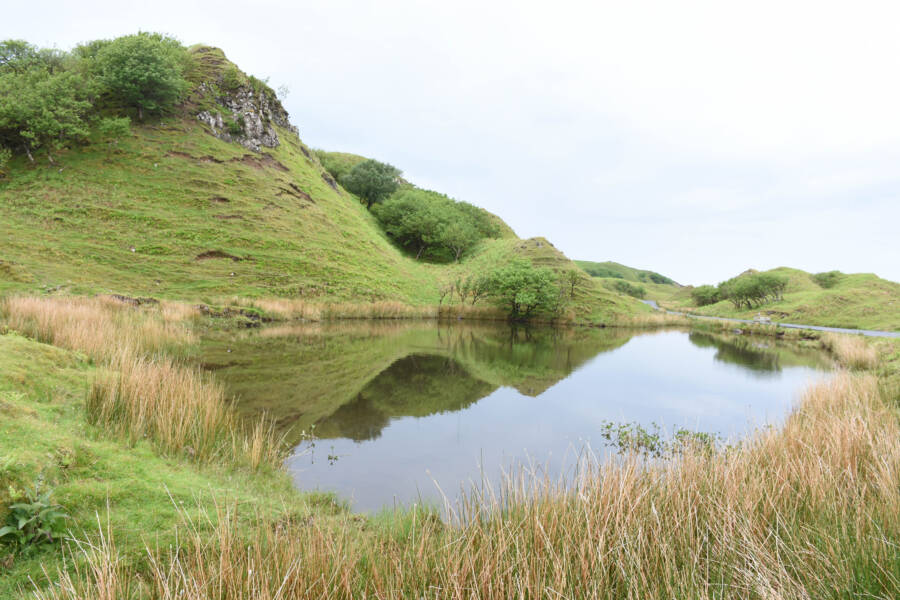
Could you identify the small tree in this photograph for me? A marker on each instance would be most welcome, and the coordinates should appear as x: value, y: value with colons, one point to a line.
x: 372, y: 181
x: 459, y: 236
x: 112, y: 129
x: 479, y: 287
x: 570, y: 279
x: 5, y: 156
x: 523, y: 290
x: 705, y: 294
x: 143, y: 71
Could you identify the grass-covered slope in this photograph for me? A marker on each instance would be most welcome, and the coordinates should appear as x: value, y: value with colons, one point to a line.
x: 858, y: 300
x: 173, y: 211
x: 616, y: 270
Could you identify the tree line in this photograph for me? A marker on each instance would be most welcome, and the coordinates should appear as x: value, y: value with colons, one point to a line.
x: 744, y: 291
x: 50, y: 99
x: 425, y: 224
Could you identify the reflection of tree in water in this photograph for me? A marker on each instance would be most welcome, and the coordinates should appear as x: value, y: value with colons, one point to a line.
x: 417, y: 385
x: 740, y: 351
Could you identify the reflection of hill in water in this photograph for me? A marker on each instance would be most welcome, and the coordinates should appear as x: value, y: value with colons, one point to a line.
x: 763, y: 356
x: 416, y: 385
x: 309, y: 374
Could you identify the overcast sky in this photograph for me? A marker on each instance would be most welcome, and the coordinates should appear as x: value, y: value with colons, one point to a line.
x: 697, y: 139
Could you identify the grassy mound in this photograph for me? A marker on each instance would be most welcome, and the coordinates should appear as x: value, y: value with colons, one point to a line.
x: 834, y: 299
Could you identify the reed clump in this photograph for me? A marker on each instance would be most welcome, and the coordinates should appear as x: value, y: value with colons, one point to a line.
x: 654, y: 319
x: 811, y: 510
x: 850, y: 350
x: 101, y: 326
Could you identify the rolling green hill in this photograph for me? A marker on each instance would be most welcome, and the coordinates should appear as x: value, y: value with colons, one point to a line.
x: 615, y: 270
x: 853, y: 300
x: 638, y: 283
x: 202, y: 206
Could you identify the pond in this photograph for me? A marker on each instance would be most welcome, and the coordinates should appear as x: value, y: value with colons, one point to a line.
x: 401, y: 411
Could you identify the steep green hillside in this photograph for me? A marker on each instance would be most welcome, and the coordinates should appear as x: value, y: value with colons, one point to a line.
x: 857, y: 300
x: 202, y: 204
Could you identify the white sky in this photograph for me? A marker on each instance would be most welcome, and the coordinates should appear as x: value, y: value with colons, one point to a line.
x: 693, y: 138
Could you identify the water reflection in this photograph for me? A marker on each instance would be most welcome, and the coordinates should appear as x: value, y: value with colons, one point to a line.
x: 399, y: 406
x: 763, y: 356
x: 417, y: 385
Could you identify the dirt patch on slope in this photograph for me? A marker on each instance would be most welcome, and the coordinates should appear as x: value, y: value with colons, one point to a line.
x: 296, y: 192
x: 261, y: 162
x: 214, y: 254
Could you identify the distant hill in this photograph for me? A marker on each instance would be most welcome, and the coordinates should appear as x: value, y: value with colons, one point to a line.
x: 223, y: 199
x: 620, y: 271
x: 835, y: 299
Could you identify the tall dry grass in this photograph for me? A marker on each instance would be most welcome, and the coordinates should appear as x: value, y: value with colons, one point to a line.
x: 101, y: 327
x: 850, y: 350
x: 654, y: 319
x: 143, y: 393
x: 808, y: 511
x: 317, y: 311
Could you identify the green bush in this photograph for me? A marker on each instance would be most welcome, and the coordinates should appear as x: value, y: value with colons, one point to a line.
x: 753, y: 289
x: 236, y: 126
x: 828, y: 279
x: 523, y: 290
x: 628, y: 288
x: 33, y: 522
x: 143, y: 71
x: 705, y: 294
x: 232, y: 78
x: 432, y: 226
x: 372, y: 181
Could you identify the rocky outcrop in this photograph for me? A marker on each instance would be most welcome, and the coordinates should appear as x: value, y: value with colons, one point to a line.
x: 247, y: 116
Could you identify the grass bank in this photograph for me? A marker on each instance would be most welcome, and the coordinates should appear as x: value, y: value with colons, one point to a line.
x: 846, y: 300
x: 811, y: 510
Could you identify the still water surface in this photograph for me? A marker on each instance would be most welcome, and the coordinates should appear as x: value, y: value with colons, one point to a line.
x: 400, y: 409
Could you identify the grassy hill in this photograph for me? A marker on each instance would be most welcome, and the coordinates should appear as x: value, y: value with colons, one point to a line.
x: 615, y: 270
x: 174, y: 211
x: 620, y: 278
x: 857, y: 300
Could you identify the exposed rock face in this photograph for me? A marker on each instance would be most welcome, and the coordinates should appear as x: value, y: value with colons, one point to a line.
x: 247, y: 117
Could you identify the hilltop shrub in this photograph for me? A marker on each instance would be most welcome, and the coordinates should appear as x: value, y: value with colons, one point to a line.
x: 828, y: 279
x: 705, y: 295
x: 42, y: 110
x: 51, y: 99
x: 143, y: 71
x: 753, y: 289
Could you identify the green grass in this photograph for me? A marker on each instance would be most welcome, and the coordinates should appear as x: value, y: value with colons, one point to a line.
x: 855, y: 301
x: 616, y: 270
x: 43, y: 431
